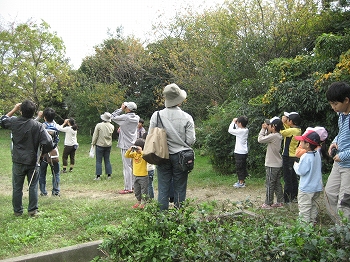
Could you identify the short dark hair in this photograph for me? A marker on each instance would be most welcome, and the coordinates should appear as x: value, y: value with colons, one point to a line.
x: 295, y: 119
x: 140, y: 142
x: 49, y: 114
x: 277, y: 124
x: 338, y: 91
x: 28, y: 108
x: 243, y: 120
x: 141, y: 121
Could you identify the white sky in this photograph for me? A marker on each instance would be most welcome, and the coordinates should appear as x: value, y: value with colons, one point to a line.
x: 82, y: 24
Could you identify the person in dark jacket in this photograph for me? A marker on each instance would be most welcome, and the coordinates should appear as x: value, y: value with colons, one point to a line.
x: 29, y: 138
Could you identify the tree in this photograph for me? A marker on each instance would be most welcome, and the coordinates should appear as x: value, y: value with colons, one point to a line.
x: 32, y: 64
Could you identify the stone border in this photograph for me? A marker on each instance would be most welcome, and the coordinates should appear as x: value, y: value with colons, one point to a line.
x: 78, y: 253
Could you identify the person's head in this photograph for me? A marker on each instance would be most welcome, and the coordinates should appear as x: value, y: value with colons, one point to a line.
x: 28, y: 108
x: 338, y: 96
x: 321, y: 131
x: 293, y: 118
x: 106, y: 117
x: 173, y: 95
x: 243, y: 120
x: 274, y: 124
x: 72, y: 123
x: 141, y: 121
x: 130, y: 107
x: 309, y: 140
x: 140, y: 142
x: 49, y: 114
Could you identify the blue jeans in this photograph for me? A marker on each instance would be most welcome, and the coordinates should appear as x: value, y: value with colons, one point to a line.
x: 103, y: 153
x: 150, y: 184
x: 171, y: 170
x: 55, y: 177
x: 19, y: 172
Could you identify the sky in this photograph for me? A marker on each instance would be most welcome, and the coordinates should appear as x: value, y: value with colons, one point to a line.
x: 83, y: 24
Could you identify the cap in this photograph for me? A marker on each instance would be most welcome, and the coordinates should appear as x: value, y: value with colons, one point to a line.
x: 272, y: 120
x: 321, y: 131
x: 131, y: 105
x: 309, y: 136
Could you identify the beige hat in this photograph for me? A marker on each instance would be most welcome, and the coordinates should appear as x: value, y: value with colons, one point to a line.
x: 173, y: 95
x: 106, y: 117
x: 131, y: 105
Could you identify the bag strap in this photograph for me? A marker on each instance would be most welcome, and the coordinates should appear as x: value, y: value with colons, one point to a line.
x: 160, y: 120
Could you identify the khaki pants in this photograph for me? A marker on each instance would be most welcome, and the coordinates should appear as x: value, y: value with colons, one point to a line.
x: 308, y: 206
x: 337, y: 192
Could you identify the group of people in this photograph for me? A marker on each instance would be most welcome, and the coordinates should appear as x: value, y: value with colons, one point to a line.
x: 138, y: 174
x: 301, y: 156
x: 34, y: 147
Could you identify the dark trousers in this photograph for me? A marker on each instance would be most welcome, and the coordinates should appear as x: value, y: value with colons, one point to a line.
x: 290, y: 179
x: 241, y: 166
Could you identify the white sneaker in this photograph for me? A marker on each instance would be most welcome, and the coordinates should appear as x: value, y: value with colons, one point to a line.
x: 97, y: 178
x: 239, y: 185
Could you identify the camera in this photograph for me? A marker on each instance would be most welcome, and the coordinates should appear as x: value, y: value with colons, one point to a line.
x: 134, y: 148
x: 334, y: 151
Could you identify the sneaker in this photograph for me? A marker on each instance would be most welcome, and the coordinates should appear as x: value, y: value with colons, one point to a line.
x: 109, y: 177
x: 277, y: 205
x: 265, y: 206
x: 136, y: 205
x: 70, y: 170
x: 239, y: 185
x: 97, y: 178
x: 43, y: 194
x: 33, y: 213
x: 123, y: 192
x: 56, y: 194
x: 130, y: 191
x: 17, y: 214
x: 64, y: 171
x: 142, y: 206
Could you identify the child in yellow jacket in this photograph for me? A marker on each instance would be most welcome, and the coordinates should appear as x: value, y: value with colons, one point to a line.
x: 139, y: 166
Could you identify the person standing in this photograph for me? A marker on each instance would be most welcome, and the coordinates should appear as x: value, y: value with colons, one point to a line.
x: 140, y: 172
x: 179, y: 127
x: 238, y: 128
x: 309, y: 169
x: 51, y: 158
x: 337, y: 190
x: 291, y: 122
x: 269, y: 134
x: 70, y: 143
x: 141, y: 131
x: 127, y: 136
x: 102, y: 140
x: 30, y: 139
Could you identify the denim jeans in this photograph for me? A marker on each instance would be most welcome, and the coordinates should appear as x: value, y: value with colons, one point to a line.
x: 171, y: 170
x: 103, y: 153
x: 19, y: 173
x: 55, y: 177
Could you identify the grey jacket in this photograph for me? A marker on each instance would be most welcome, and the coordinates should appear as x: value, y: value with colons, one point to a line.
x: 27, y: 136
x: 128, y: 127
x: 179, y: 127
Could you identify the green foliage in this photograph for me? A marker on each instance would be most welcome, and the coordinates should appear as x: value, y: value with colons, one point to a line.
x: 196, y: 234
x: 32, y: 65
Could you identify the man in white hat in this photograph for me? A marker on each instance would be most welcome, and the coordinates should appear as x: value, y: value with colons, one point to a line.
x: 180, y: 131
x: 102, y: 140
x: 128, y: 123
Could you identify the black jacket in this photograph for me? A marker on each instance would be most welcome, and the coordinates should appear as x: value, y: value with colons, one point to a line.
x: 27, y: 136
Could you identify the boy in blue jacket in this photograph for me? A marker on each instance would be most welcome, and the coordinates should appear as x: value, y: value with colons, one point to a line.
x: 309, y: 170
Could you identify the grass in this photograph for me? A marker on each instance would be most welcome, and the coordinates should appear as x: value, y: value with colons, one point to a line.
x: 86, y: 208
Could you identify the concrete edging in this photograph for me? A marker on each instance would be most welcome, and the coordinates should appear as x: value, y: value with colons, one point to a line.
x: 78, y: 253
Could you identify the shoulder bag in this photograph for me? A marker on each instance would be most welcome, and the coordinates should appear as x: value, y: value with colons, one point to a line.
x: 156, y: 149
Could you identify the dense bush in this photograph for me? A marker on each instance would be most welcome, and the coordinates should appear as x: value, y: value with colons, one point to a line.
x: 191, y: 234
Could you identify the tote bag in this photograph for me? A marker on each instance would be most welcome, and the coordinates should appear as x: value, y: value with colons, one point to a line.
x: 156, y: 149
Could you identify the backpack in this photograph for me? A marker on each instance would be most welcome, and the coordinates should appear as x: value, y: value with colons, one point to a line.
x: 53, y: 131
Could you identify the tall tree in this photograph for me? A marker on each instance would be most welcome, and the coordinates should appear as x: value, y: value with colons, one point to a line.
x: 33, y: 64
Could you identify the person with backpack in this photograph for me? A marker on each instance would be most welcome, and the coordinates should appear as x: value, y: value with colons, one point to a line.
x: 52, y: 158
x: 29, y: 139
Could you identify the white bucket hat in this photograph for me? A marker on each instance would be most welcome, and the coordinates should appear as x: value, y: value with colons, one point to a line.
x: 173, y: 95
x: 106, y: 117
